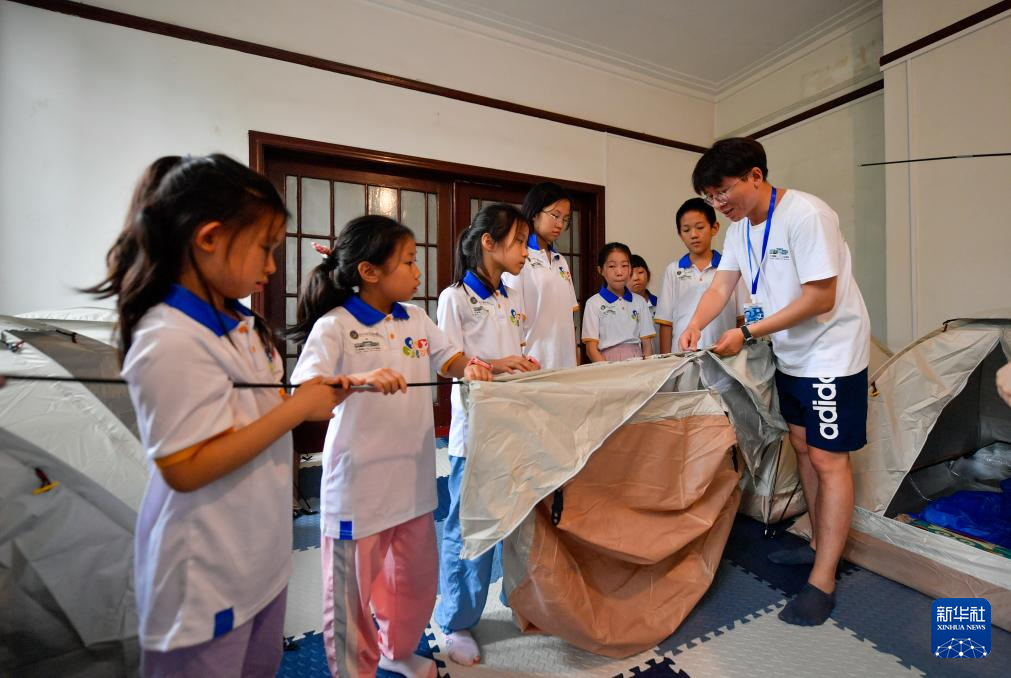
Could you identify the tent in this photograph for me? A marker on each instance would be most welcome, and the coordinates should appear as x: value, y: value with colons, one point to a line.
x: 92, y: 427
x: 614, y: 487
x: 66, y: 552
x: 933, y: 420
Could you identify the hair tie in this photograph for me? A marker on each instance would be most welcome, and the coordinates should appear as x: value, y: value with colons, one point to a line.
x: 323, y: 250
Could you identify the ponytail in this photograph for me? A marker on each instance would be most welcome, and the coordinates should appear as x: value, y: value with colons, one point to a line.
x: 372, y: 238
x: 497, y: 221
x: 173, y: 199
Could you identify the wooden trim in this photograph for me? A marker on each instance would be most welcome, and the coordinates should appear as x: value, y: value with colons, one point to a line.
x: 92, y: 13
x: 820, y: 108
x: 946, y: 32
x: 261, y: 143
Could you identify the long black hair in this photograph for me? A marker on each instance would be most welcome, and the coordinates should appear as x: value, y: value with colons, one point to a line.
x: 173, y: 199
x: 497, y: 221
x: 372, y: 238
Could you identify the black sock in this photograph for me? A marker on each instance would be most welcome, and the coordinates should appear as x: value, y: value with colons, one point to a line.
x: 810, y: 607
x: 802, y: 555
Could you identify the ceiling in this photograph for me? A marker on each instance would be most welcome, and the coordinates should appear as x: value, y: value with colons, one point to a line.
x: 705, y: 46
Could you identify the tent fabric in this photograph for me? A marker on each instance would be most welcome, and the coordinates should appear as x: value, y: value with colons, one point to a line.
x: 530, y: 434
x: 614, y: 487
x: 642, y: 531
x: 93, y: 428
x: 51, y: 542
x: 930, y: 406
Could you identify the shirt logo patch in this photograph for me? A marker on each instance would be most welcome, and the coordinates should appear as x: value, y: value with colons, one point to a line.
x: 566, y: 276
x: 365, y: 342
x: 606, y: 310
x: 514, y: 317
x: 477, y: 308
x: 635, y: 314
x: 415, y: 348
x: 779, y: 254
x: 682, y: 272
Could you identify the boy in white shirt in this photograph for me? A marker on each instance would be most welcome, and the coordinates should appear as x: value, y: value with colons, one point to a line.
x: 686, y: 280
x: 803, y: 296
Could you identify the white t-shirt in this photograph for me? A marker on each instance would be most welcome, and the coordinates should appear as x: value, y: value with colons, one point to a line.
x: 485, y: 324
x: 683, y: 287
x: 379, y: 450
x: 805, y: 244
x: 209, y: 560
x: 612, y: 320
x: 548, y: 299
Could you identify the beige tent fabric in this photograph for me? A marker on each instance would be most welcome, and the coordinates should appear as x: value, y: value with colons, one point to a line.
x: 641, y: 533
x: 908, y: 394
x: 530, y: 434
x: 928, y: 404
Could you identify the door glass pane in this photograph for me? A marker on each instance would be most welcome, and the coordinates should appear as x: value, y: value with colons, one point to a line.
x: 291, y: 201
x: 433, y: 272
x: 564, y: 242
x: 433, y: 307
x: 422, y: 265
x: 383, y: 200
x: 475, y: 207
x: 433, y: 217
x: 310, y: 257
x: 412, y: 213
x: 290, y: 364
x: 291, y: 265
x: 289, y: 320
x: 574, y: 229
x: 574, y: 269
x: 348, y: 203
x: 315, y: 206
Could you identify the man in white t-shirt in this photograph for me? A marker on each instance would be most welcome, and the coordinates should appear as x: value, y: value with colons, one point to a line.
x: 803, y: 297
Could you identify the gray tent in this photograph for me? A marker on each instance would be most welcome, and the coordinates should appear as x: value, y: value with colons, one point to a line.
x: 934, y: 426
x: 66, y: 553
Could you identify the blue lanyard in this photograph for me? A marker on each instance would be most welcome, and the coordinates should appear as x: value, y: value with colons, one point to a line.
x: 765, y: 243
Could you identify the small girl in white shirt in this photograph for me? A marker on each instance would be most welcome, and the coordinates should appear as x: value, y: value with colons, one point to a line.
x: 617, y: 324
x: 378, y: 489
x: 484, y: 317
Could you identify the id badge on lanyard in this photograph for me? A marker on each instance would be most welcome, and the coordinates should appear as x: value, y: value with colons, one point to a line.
x: 753, y: 311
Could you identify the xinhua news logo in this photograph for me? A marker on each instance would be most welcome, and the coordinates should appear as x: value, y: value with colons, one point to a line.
x: 960, y: 628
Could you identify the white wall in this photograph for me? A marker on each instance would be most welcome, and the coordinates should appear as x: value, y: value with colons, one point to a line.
x: 908, y: 20
x: 822, y: 155
x: 84, y: 106
x: 948, y: 237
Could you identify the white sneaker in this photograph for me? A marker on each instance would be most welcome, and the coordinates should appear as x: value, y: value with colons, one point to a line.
x: 411, y: 666
x: 462, y: 648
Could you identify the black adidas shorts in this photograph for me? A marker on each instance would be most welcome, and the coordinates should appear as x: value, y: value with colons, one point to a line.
x: 833, y: 410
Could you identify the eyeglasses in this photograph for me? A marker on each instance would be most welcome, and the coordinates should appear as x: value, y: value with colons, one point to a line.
x: 557, y: 216
x: 722, y: 196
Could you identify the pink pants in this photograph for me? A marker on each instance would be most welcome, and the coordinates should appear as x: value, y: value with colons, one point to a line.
x: 620, y: 352
x: 394, y: 575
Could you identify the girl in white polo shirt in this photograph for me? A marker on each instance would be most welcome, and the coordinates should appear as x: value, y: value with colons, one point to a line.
x: 213, y: 540
x: 378, y: 489
x: 483, y: 316
x: 617, y: 324
x: 544, y: 284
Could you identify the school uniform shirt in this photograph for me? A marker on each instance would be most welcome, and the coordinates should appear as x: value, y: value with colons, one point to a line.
x: 379, y: 450
x: 485, y: 324
x: 682, y: 288
x: 611, y: 320
x: 805, y: 244
x: 548, y: 300
x: 651, y: 302
x: 209, y: 560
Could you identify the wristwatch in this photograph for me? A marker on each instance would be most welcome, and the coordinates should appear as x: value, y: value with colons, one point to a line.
x: 748, y: 339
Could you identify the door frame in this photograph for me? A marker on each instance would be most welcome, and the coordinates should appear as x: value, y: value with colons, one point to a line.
x: 265, y: 147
